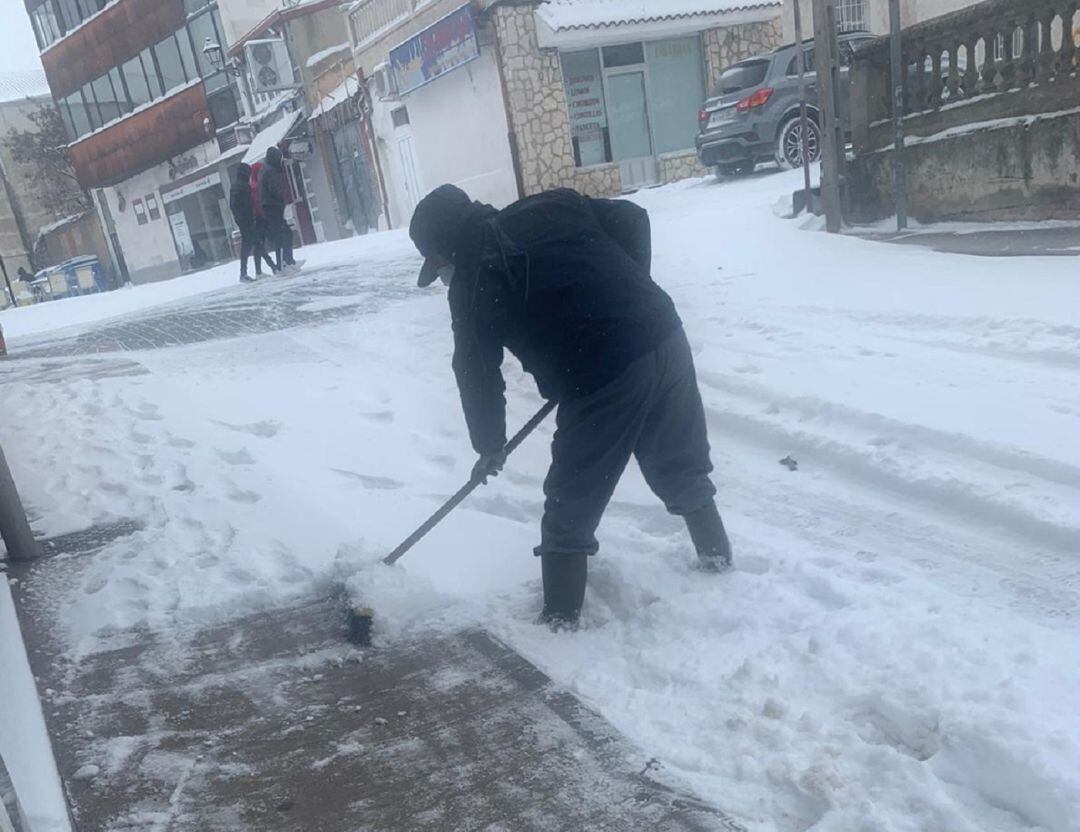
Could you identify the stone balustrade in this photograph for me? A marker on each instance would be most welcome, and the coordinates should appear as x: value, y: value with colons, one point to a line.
x: 995, y: 59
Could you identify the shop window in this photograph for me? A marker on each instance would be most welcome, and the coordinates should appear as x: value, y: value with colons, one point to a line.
x: 585, y: 102
x: 152, y: 207
x: 140, y: 211
x: 169, y: 63
x: 400, y: 116
x: 627, y: 54
x: 634, y: 100
x: 135, y: 80
x: 676, y: 90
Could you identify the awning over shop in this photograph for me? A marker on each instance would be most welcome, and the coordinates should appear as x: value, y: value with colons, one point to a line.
x: 570, y: 23
x: 270, y: 136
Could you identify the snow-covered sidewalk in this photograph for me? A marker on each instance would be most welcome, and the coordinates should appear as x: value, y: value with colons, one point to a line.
x: 898, y: 648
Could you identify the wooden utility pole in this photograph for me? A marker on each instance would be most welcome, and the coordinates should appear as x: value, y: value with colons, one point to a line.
x: 803, y: 115
x: 897, y: 85
x: 833, y: 146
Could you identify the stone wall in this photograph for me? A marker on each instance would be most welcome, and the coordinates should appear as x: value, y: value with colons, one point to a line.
x: 1016, y: 171
x: 681, y: 165
x: 731, y: 44
x: 537, y: 104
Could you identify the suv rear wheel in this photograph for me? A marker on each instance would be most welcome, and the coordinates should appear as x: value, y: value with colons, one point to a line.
x: 789, y: 143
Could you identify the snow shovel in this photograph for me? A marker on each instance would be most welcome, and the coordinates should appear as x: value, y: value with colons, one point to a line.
x: 359, y: 618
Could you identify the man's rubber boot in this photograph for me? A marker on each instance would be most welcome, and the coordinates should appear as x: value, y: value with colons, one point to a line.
x: 564, y: 589
x: 711, y: 541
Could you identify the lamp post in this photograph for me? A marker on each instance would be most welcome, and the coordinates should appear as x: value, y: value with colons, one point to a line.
x: 217, y: 59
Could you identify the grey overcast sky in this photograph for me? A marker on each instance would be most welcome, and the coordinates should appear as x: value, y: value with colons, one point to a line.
x: 18, y: 49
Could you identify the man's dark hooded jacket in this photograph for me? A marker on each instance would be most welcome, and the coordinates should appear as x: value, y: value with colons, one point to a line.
x: 562, y: 281
x: 271, y: 189
x: 241, y: 201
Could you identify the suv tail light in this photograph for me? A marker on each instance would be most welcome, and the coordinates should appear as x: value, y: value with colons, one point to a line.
x: 757, y: 99
x: 703, y: 118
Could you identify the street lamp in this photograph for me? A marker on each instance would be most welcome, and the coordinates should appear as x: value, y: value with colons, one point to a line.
x: 216, y: 56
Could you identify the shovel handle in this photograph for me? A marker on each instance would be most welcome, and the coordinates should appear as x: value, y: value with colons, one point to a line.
x: 466, y: 489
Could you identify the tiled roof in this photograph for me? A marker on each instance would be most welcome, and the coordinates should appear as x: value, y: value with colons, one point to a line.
x: 15, y: 86
x: 561, y: 15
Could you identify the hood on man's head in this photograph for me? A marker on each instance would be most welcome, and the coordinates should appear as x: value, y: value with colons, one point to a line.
x: 435, y: 227
x: 273, y: 157
x: 243, y: 173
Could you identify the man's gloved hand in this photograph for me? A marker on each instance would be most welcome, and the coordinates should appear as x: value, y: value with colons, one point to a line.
x: 488, y: 465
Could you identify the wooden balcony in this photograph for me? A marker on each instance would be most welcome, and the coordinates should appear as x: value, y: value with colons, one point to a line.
x: 116, y: 34
x: 168, y: 128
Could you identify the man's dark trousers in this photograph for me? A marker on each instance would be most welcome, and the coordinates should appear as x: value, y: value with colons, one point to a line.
x: 652, y: 411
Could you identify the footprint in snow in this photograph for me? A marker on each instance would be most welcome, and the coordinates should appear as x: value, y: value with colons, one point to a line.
x: 368, y: 481
x: 264, y: 430
x: 240, y: 496
x: 240, y: 457
x: 180, y: 442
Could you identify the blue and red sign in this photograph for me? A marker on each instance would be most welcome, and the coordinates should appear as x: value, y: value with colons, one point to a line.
x: 443, y: 46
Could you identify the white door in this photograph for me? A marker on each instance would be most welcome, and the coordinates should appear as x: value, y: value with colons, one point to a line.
x: 409, y: 172
x: 631, y: 138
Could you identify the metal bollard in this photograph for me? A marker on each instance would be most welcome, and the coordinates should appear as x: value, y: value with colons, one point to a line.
x: 14, y: 527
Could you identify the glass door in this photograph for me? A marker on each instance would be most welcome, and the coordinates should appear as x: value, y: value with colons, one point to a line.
x: 631, y: 137
x: 629, y: 118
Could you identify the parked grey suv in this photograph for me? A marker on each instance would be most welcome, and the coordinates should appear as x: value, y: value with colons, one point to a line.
x: 753, y: 114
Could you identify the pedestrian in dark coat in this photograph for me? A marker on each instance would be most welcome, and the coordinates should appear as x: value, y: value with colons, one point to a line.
x: 563, y: 281
x: 272, y: 196
x: 243, y: 211
x: 260, y: 235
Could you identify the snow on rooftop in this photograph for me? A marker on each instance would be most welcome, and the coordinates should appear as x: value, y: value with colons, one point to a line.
x: 319, y: 57
x: 21, y: 84
x: 270, y: 136
x: 341, y: 93
x: 588, y: 14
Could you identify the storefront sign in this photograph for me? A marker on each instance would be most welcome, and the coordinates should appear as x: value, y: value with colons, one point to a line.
x: 181, y: 234
x: 445, y: 45
x: 585, y: 102
x: 300, y: 149
x: 189, y: 188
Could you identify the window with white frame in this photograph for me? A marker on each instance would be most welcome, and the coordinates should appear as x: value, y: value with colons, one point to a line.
x: 853, y: 15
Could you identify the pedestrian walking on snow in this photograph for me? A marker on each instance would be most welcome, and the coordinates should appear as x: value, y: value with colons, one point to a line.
x: 563, y: 282
x: 260, y: 236
x: 272, y: 193
x: 243, y: 210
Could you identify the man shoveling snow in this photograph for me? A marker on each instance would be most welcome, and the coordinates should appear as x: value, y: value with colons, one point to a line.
x: 563, y: 281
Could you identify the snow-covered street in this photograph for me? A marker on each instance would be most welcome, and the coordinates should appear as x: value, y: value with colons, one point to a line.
x: 897, y: 649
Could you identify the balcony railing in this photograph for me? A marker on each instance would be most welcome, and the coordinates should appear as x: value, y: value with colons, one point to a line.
x: 996, y: 59
x: 370, y: 18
